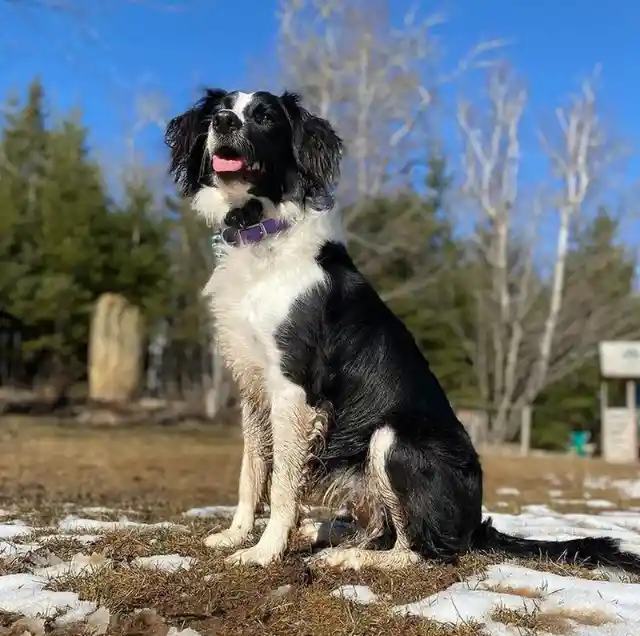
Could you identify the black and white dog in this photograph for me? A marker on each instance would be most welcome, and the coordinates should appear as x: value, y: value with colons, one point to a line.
x: 335, y: 393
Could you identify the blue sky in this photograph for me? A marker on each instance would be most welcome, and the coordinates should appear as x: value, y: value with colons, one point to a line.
x: 100, y: 60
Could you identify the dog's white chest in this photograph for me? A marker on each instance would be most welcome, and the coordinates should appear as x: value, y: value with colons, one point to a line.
x: 252, y: 293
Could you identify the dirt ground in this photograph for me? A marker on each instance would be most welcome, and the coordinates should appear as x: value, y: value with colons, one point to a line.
x: 157, y: 474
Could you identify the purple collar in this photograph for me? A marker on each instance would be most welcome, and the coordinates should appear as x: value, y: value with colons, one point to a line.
x: 253, y: 233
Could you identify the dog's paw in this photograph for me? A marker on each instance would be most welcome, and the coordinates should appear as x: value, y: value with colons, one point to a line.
x: 256, y: 555
x: 340, y: 558
x: 226, y: 539
x: 330, y: 532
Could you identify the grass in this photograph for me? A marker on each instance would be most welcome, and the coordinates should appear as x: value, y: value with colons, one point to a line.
x: 155, y: 474
x: 529, y: 623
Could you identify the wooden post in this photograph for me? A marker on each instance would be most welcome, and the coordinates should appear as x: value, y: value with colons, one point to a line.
x: 525, y: 430
x: 632, y: 405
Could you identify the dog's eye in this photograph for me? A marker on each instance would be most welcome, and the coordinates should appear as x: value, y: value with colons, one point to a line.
x: 262, y: 117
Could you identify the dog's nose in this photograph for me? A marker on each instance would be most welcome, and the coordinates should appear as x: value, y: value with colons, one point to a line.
x: 226, y: 121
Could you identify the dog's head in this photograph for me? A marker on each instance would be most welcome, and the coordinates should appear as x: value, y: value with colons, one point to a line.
x: 247, y: 145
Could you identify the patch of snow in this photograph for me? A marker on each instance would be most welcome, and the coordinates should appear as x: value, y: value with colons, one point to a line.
x: 14, y: 529
x: 362, y: 594
x: 629, y: 488
x: 9, y: 549
x: 187, y: 631
x: 504, y: 492
x: 165, y: 562
x: 616, y: 605
x: 79, y: 563
x: 210, y: 511
x: 542, y: 523
x: 599, y: 503
x: 97, y: 621
x: 76, y: 524
x: 25, y: 594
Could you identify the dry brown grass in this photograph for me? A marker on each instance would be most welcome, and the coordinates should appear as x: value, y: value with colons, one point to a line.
x: 524, y: 592
x: 159, y: 473
x: 530, y: 623
x: 149, y: 469
x: 172, y: 469
x: 215, y: 599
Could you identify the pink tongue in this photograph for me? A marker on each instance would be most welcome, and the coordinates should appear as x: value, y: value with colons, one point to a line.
x: 227, y: 165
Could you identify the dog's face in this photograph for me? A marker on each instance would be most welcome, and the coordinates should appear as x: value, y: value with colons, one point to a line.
x: 253, y: 144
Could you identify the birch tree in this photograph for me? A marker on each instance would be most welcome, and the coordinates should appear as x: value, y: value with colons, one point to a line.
x: 533, y: 324
x: 378, y: 84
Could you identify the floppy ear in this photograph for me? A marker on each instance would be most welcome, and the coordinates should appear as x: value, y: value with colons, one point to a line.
x: 316, y: 146
x: 186, y: 136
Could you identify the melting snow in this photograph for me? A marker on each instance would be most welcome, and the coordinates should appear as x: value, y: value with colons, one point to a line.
x: 25, y: 594
x: 75, y: 524
x: 15, y: 529
x: 628, y: 488
x: 613, y: 607
x: 211, y: 511
x: 599, y: 503
x: 166, y: 562
x: 588, y: 608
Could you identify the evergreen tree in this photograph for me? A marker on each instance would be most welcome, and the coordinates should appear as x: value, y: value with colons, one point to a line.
x: 132, y: 243
x: 22, y: 165
x: 64, y: 242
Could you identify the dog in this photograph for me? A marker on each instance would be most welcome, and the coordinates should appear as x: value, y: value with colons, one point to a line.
x: 336, y: 396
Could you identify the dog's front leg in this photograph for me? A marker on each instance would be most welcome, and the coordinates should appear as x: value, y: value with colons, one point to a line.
x: 292, y: 423
x: 256, y: 459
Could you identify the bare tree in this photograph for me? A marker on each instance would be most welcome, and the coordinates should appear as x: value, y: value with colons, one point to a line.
x: 533, y: 325
x: 377, y: 84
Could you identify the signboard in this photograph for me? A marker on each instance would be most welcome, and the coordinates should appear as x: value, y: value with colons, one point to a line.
x: 619, y: 435
x: 620, y: 359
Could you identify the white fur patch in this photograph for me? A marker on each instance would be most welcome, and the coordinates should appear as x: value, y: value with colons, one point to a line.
x: 242, y: 101
x: 252, y: 291
x: 253, y: 288
x: 214, y: 203
x: 240, y: 105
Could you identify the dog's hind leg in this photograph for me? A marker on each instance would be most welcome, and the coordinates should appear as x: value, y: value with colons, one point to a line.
x: 429, y: 486
x: 294, y: 426
x: 386, y: 516
x: 256, y: 457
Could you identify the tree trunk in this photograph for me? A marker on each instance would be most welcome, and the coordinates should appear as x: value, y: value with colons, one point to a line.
x: 115, y: 350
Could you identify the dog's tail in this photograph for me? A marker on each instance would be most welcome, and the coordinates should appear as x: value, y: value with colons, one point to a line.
x: 588, y: 551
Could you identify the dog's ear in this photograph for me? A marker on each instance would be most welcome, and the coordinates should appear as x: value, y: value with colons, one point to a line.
x: 317, y: 147
x: 186, y: 136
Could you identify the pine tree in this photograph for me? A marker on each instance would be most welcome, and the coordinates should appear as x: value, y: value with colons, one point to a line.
x: 22, y: 164
x: 65, y: 242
